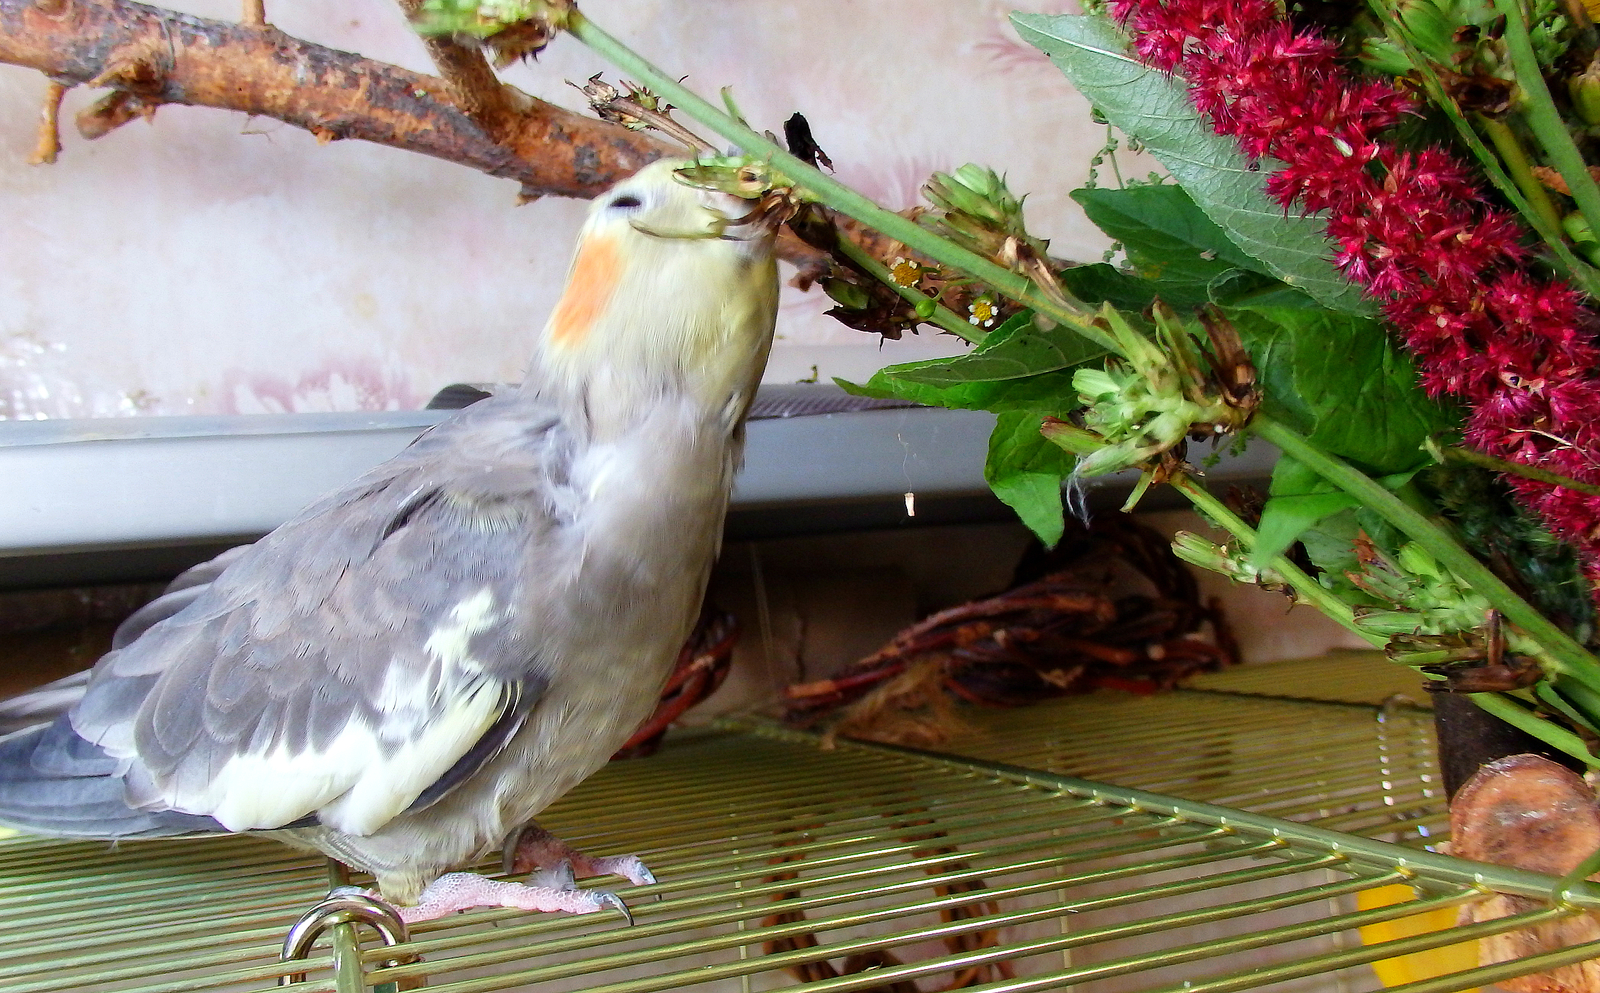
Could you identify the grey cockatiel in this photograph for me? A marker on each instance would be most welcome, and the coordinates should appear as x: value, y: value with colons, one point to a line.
x: 413, y: 667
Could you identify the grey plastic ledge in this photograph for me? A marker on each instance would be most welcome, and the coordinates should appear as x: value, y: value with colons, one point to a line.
x: 70, y: 486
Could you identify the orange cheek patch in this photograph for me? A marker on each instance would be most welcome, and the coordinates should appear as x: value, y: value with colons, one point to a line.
x: 593, y: 280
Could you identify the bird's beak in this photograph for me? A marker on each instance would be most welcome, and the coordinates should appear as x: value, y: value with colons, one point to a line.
x: 760, y: 222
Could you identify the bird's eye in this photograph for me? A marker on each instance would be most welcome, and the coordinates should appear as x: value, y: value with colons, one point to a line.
x: 627, y: 201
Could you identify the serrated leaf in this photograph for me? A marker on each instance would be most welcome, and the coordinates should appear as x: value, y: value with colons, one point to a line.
x: 1155, y: 109
x: 1339, y: 380
x: 1016, y: 349
x: 1175, y: 250
x: 1018, y: 367
x: 1026, y: 471
x: 1161, y: 224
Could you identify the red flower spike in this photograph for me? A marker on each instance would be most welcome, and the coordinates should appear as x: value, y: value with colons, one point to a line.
x: 1413, y: 229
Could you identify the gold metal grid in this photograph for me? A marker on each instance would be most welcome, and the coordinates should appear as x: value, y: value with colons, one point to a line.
x: 191, y: 914
x: 1366, y: 770
x: 1341, y: 676
x: 777, y: 859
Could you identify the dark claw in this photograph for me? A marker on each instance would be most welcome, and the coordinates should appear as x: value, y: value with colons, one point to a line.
x: 609, y: 899
x: 508, y: 852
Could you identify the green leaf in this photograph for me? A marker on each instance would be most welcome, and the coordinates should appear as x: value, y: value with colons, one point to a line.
x: 1015, y: 350
x: 1302, y: 506
x: 1186, y: 259
x: 1102, y: 283
x: 1339, y: 380
x: 1300, y: 499
x: 1017, y: 367
x: 1155, y: 109
x: 1026, y: 472
x: 1159, y: 225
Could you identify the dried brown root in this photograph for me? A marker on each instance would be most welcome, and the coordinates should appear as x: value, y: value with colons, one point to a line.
x: 1528, y: 812
x: 1116, y: 611
x: 911, y: 709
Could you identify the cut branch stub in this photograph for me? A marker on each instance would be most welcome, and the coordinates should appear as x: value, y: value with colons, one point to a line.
x: 49, y: 143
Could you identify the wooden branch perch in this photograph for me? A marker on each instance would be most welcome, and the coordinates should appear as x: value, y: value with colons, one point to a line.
x: 160, y: 56
x: 473, y: 83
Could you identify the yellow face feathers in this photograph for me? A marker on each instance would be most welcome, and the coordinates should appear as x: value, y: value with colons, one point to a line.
x: 666, y: 293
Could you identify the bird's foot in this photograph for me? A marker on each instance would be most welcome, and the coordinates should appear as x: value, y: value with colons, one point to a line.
x: 535, y: 848
x: 465, y: 890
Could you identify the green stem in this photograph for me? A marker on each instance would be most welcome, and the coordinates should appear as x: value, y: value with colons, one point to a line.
x: 1543, y: 117
x: 1516, y: 160
x: 1523, y: 720
x: 830, y: 191
x: 943, y: 316
x: 1483, y: 461
x: 1569, y: 655
x: 1306, y: 588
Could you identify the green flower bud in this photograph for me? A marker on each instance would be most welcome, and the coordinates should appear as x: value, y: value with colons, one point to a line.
x: 1577, y: 228
x: 1584, y: 89
x: 1428, y: 27
x: 1224, y: 559
x: 1071, y: 437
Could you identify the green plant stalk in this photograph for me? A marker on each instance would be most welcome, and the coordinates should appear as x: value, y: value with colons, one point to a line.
x: 1520, y: 718
x: 830, y: 191
x: 1566, y: 261
x: 1516, y: 161
x: 1484, y: 461
x: 1569, y: 656
x: 1543, y: 118
x: 1307, y: 589
x: 942, y: 316
x: 1581, y: 697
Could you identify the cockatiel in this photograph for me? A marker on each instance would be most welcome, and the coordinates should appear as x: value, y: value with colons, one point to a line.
x: 411, y: 669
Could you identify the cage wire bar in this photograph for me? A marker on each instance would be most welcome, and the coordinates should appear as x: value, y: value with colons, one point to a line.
x: 1365, y: 769
x: 866, y: 868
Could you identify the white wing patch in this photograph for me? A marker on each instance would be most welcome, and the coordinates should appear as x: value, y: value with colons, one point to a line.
x: 426, y: 725
x: 451, y: 644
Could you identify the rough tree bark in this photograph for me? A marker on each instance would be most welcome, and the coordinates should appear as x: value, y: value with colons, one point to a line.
x: 150, y: 56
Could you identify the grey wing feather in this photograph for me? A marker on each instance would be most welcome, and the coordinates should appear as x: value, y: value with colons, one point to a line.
x: 53, y: 782
x: 181, y: 592
x: 360, y: 659
x: 42, y: 704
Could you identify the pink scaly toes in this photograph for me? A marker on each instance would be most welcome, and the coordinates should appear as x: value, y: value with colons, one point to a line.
x: 464, y: 891
x: 535, y: 848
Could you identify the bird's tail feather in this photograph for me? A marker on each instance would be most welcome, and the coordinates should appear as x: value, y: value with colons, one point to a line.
x: 52, y: 782
x: 43, y: 704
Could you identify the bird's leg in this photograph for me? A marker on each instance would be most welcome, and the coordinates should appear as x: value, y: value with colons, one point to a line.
x: 465, y: 890
x: 535, y: 848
